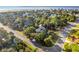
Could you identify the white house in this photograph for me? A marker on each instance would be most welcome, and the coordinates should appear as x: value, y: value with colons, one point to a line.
x: 40, y: 29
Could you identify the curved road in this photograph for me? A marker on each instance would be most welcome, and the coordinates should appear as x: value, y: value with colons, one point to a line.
x: 58, y: 47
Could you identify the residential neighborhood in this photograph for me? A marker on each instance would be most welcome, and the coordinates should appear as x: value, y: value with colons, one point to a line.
x: 40, y: 30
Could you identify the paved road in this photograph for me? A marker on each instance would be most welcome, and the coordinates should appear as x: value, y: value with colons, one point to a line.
x: 22, y: 37
x: 55, y: 48
x: 58, y: 47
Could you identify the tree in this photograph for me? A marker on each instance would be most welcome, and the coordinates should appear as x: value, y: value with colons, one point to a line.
x: 18, y: 24
x: 48, y: 41
x: 46, y: 22
x: 53, y: 21
x: 42, y: 20
x: 73, y: 18
x: 29, y: 30
x: 40, y: 37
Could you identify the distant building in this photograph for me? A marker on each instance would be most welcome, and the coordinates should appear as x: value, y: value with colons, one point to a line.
x: 77, y: 15
x: 27, y: 14
x: 53, y: 14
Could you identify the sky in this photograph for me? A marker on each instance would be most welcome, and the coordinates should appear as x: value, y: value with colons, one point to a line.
x: 36, y: 7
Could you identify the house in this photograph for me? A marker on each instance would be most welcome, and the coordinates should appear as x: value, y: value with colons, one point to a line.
x: 27, y: 22
x: 40, y: 29
x: 27, y: 14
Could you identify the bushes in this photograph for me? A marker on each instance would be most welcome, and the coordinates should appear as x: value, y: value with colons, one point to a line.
x: 67, y: 47
x: 69, y: 38
x: 71, y: 47
x: 75, y: 47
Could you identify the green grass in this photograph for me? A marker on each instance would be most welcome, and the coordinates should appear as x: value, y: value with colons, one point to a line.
x: 30, y: 46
